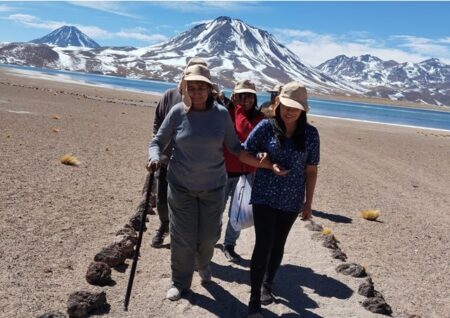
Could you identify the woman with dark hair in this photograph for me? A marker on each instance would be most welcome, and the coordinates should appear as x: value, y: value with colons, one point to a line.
x: 282, y: 190
x: 245, y: 116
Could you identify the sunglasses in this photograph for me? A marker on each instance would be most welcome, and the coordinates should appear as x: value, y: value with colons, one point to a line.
x: 246, y: 95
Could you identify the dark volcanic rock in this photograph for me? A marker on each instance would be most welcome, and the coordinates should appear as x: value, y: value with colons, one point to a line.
x: 313, y: 226
x: 366, y: 288
x: 125, y: 245
x: 352, y: 269
x: 330, y: 242
x: 129, y: 231
x: 377, y: 305
x: 99, y: 273
x: 338, y: 254
x: 111, y: 255
x: 81, y: 303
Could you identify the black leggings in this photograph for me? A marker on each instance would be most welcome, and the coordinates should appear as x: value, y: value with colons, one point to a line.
x: 272, y: 227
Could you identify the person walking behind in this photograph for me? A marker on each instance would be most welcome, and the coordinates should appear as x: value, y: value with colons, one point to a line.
x: 279, y: 194
x: 198, y: 128
x: 268, y: 107
x: 170, y: 98
x: 245, y: 116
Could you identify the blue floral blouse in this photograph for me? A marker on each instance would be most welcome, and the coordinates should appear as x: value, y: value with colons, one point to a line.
x: 286, y: 193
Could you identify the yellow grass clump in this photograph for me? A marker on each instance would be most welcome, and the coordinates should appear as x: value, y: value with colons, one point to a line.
x: 326, y: 231
x: 70, y: 160
x: 55, y: 130
x: 370, y: 215
x: 55, y: 117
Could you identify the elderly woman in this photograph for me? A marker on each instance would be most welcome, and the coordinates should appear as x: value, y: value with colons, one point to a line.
x: 198, y: 128
x: 284, y: 189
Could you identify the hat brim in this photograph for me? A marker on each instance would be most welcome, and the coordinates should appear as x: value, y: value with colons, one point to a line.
x: 199, y: 78
x: 245, y: 90
x: 292, y: 103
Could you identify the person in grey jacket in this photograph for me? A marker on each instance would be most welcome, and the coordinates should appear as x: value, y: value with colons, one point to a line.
x: 170, y: 98
x: 198, y: 128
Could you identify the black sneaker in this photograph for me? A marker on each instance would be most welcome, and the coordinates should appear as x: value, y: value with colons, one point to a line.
x: 230, y: 254
x: 267, y: 296
x: 254, y: 309
x: 158, y: 239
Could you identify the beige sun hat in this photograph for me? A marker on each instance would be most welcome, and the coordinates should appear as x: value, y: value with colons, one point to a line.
x: 197, y: 73
x: 245, y: 86
x: 196, y: 61
x: 293, y: 95
x: 276, y: 89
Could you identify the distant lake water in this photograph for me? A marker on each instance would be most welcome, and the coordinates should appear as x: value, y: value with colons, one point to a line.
x: 385, y: 114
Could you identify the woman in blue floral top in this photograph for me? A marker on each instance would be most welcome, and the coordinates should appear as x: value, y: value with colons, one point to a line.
x: 283, y: 186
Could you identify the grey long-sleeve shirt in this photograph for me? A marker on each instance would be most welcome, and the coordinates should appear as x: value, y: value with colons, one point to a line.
x: 197, y: 161
x: 170, y: 98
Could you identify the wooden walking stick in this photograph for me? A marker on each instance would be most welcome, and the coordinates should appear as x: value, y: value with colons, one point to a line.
x: 139, y: 241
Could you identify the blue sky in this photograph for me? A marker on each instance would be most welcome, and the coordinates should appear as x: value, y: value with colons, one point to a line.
x: 315, y: 31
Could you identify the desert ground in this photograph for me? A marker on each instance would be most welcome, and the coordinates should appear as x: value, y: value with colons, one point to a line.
x: 55, y: 218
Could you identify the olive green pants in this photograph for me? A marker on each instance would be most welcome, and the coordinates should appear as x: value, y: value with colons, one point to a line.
x: 195, y: 225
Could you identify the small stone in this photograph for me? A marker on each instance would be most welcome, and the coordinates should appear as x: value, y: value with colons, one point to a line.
x: 125, y: 245
x: 110, y: 255
x: 377, y: 305
x: 99, y: 273
x: 338, y: 254
x: 81, y: 303
x: 128, y: 231
x: 313, y: 226
x: 52, y: 314
x: 351, y: 269
x: 366, y: 288
x: 330, y: 242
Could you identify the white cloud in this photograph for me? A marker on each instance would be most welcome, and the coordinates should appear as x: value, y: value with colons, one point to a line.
x: 208, y: 6
x: 34, y: 22
x: 197, y: 23
x: 314, y: 48
x: 106, y: 6
x: 4, y: 8
x: 138, y: 34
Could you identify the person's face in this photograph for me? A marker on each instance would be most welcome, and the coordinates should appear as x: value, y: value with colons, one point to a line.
x: 247, y: 100
x: 198, y: 92
x: 289, y: 115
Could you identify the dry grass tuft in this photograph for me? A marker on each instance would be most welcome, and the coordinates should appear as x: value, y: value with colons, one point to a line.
x: 55, y: 130
x: 370, y: 215
x: 326, y: 231
x: 70, y: 160
x: 55, y: 117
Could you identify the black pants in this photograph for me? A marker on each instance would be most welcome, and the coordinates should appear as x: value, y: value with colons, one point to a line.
x: 161, y: 198
x: 272, y: 227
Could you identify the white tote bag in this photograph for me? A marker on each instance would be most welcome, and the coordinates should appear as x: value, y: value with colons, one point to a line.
x: 241, y: 214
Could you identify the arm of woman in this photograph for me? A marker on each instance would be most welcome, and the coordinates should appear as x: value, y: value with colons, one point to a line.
x: 264, y: 162
x: 159, y: 142
x: 311, y: 179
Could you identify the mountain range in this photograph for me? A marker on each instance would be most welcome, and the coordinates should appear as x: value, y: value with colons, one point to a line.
x: 235, y: 50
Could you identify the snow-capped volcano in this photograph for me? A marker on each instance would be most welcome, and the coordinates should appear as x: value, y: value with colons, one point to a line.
x: 235, y: 50
x: 67, y: 36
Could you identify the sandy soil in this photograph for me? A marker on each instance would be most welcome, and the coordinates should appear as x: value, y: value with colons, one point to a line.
x: 55, y: 218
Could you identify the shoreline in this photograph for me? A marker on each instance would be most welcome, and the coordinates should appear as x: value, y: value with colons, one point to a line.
x: 51, y: 78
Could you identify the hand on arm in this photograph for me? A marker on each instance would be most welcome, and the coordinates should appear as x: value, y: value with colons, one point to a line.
x: 261, y: 161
